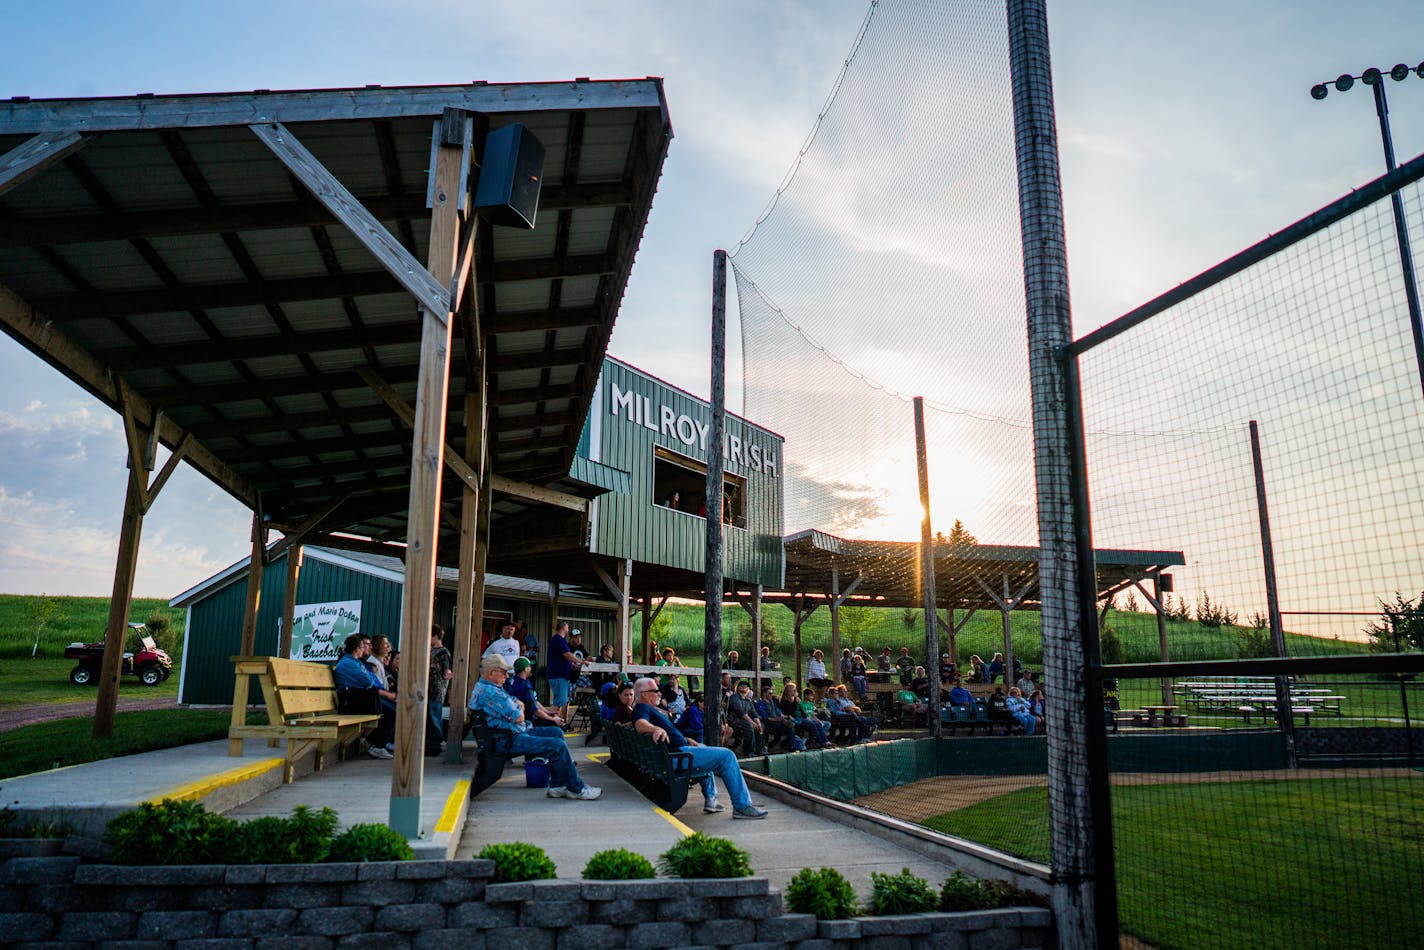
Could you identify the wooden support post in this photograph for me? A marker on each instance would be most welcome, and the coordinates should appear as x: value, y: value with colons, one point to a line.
x: 796, y: 621
x: 712, y: 555
x: 254, y: 585
x: 1162, y: 636
x: 1006, y: 610
x: 833, y: 662
x: 645, y: 614
x: 927, y: 569
x: 755, y: 611
x: 477, y: 599
x: 289, y: 601
x: 106, y: 705
x: 462, y: 649
x: 427, y: 467
x: 625, y: 607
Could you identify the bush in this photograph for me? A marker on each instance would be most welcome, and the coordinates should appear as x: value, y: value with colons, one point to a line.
x: 304, y: 838
x: 618, y: 864
x: 825, y: 893
x: 170, y: 832
x: 1109, y: 646
x: 1213, y: 616
x: 962, y: 892
x: 902, y: 893
x: 518, y: 861
x: 160, y: 627
x: 371, y: 842
x: 700, y: 856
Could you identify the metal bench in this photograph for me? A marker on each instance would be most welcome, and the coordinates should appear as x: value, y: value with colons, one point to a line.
x: 302, y: 708
x: 659, y: 773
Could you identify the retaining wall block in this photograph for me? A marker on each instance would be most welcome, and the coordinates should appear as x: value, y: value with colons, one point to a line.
x: 555, y: 890
x: 375, y: 940
x: 264, y: 922
x: 787, y: 928
x: 421, y: 870
x: 49, y: 899
x: 404, y: 918
x: 378, y: 893
x: 246, y: 874
x: 589, y: 936
x: 553, y: 913
x: 753, y: 908
x: 478, y: 867
x: 302, y: 942
x: 896, y: 924
x: 520, y: 938
x: 225, y: 898
x: 177, y: 925
x: 181, y: 875
x: 481, y: 916
x: 140, y: 899
x: 644, y: 888
x: 688, y: 909
x: 450, y: 938
x: 996, y: 938
x: 948, y: 940
x: 96, y: 926
x: 509, y: 893
x: 311, y: 873
x: 450, y: 890
x: 55, y: 870
x: 220, y: 943
x: 334, y: 921
x: 666, y: 933
x: 816, y: 943
x: 622, y: 912
x: 1035, y: 917
x: 301, y: 896
x: 23, y: 926
x: 729, y: 931
x: 838, y: 929
x: 377, y: 870
x: 137, y: 945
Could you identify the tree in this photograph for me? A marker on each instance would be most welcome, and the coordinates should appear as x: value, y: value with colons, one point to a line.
x: 1131, y: 603
x: 856, y: 622
x: 910, y: 618
x: 1400, y: 627
x: 43, y: 613
x: 768, y: 632
x: 959, y: 536
x: 1214, y: 615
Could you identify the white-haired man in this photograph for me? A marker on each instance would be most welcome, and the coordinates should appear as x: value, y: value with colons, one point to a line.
x: 648, y: 719
x: 503, y: 711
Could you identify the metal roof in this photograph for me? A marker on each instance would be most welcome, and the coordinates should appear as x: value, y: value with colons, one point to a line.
x: 159, y: 242
x: 889, y: 571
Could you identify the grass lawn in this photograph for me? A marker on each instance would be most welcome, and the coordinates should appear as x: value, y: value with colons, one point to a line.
x: 1303, y: 864
x: 47, y: 745
x: 79, y: 619
x: 27, y: 682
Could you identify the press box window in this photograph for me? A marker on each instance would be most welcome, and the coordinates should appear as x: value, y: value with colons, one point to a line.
x: 681, y: 483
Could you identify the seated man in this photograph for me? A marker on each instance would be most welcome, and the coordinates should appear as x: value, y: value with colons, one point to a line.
x: 721, y: 762
x: 352, y: 673
x: 778, y: 727
x: 745, y: 723
x: 521, y: 687
x: 845, y: 707
x: 503, y: 711
x: 1018, y: 708
x: 691, y: 724
x: 958, y: 695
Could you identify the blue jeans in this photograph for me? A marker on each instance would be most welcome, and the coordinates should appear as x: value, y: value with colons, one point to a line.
x: 558, y: 692
x: 722, y: 763
x: 1030, y: 723
x: 547, y: 742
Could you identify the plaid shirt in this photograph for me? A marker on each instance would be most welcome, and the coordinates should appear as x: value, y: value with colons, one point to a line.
x: 501, y: 709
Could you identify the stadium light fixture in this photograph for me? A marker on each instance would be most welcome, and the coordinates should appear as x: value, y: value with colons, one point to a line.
x: 1399, y: 73
x: 1370, y: 77
x: 1319, y: 91
x: 1344, y: 82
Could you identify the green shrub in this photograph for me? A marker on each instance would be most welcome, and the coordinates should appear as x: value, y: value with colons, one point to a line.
x: 902, y: 893
x: 700, y: 856
x: 370, y: 842
x: 825, y: 893
x: 618, y: 864
x: 170, y: 832
x: 962, y: 892
x: 518, y: 861
x: 304, y: 838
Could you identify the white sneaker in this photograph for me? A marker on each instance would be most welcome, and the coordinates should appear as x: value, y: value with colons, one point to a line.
x: 377, y: 752
x: 711, y: 806
x: 588, y: 794
x: 557, y: 792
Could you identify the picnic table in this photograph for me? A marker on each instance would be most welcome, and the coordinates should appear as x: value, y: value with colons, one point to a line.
x: 1168, y: 716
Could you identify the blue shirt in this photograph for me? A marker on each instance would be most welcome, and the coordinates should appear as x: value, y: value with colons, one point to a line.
x: 502, y: 711
x: 959, y: 696
x: 523, y: 690
x: 645, y: 713
x: 351, y: 673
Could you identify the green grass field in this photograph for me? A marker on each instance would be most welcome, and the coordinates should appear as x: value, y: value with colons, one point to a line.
x: 64, y: 742
x: 27, y: 682
x: 82, y: 619
x: 1303, y: 864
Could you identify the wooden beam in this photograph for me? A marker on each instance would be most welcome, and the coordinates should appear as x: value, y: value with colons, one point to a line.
x: 427, y: 466
x: 29, y: 158
x: 431, y: 291
x: 130, y: 530
x: 169, y: 467
x: 546, y: 496
x: 462, y: 650
x: 295, y: 536
x: 289, y: 601
x: 254, y: 584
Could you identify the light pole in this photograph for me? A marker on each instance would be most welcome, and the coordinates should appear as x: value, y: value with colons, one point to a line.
x: 1374, y: 78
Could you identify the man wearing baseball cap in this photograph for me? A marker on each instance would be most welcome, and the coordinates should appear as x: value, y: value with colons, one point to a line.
x: 563, y: 666
x: 503, y: 711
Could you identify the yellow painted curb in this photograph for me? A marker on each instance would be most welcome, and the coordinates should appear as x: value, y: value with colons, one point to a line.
x: 195, y: 790
x: 451, y: 814
x: 599, y: 757
x: 686, y: 831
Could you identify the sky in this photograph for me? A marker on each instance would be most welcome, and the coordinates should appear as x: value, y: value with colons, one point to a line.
x: 1186, y: 132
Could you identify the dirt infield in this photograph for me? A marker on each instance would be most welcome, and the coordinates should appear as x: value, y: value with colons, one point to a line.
x: 935, y: 796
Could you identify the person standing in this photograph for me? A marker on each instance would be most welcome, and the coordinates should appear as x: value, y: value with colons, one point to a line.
x: 563, y: 666
x: 441, y: 673
x: 506, y: 646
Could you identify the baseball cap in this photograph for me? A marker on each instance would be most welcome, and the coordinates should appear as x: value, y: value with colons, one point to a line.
x: 576, y: 632
x: 522, y: 664
x: 494, y: 661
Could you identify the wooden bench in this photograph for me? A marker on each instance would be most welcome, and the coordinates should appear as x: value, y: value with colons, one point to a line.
x: 493, y: 753
x: 662, y: 775
x: 301, y: 708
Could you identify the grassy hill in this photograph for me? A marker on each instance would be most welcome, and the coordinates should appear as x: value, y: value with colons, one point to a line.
x: 875, y: 628
x: 79, y: 619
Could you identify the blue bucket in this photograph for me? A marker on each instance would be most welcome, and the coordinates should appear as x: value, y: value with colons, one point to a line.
x: 536, y: 773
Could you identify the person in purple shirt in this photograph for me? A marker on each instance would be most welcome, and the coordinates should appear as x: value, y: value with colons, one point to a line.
x: 562, y: 667
x: 649, y: 720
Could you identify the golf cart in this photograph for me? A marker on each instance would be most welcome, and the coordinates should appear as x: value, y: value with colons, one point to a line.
x: 150, y: 664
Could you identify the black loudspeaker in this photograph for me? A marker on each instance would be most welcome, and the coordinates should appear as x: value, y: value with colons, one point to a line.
x: 1164, y: 583
x: 508, y: 189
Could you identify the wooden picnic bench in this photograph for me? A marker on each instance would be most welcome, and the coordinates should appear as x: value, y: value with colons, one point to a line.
x: 301, y: 705
x: 661, y: 774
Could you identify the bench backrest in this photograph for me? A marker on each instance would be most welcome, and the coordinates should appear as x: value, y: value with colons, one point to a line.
x: 292, y: 689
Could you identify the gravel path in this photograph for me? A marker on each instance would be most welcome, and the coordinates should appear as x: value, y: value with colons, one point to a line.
x: 13, y: 717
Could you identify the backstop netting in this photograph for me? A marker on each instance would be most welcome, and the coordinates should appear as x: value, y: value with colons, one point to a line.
x: 1264, y: 752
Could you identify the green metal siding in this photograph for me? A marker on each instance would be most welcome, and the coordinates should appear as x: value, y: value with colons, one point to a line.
x: 636, y: 526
